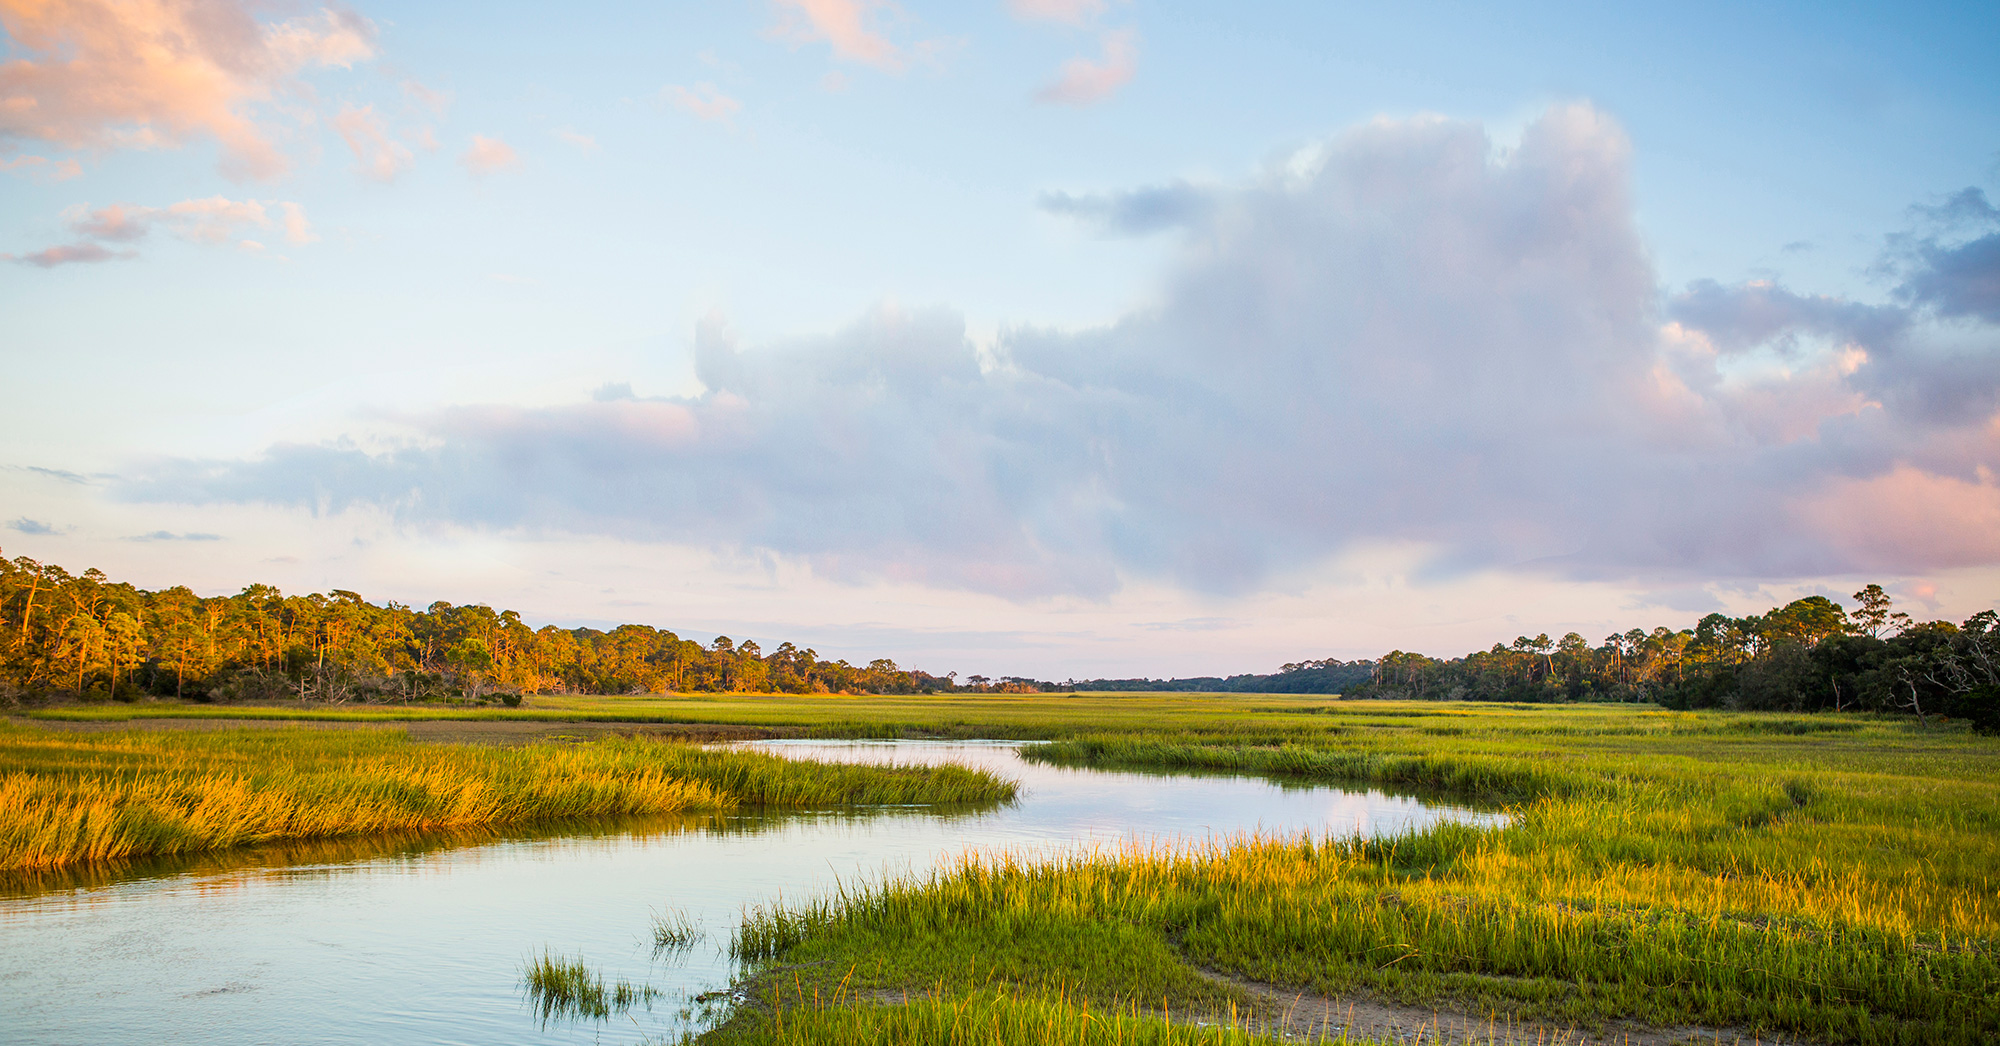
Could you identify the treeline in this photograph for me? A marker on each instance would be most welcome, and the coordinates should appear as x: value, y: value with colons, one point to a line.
x: 1809, y: 655
x: 87, y: 636
x: 1329, y: 676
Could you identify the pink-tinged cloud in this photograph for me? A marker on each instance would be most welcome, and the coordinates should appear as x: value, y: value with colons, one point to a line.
x: 435, y: 102
x: 1909, y: 519
x: 69, y: 254
x: 583, y: 142
x: 1084, y: 82
x: 42, y: 169
x: 297, y: 229
x: 843, y: 24
x: 703, y: 101
x: 103, y: 74
x: 488, y: 155
x: 1068, y: 12
x: 116, y: 222
x: 212, y: 221
x: 376, y: 155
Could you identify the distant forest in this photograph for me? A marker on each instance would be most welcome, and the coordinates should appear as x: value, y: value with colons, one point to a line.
x: 83, y: 635
x: 87, y: 636
x: 1807, y: 656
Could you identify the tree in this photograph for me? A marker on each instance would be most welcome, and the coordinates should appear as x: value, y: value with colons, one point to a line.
x: 1807, y: 620
x: 1872, y: 615
x: 471, y: 657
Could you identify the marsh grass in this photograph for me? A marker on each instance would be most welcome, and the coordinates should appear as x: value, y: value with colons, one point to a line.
x: 560, y: 988
x: 69, y: 797
x: 1835, y: 877
x: 809, y: 1014
x: 1731, y: 872
x: 674, y: 932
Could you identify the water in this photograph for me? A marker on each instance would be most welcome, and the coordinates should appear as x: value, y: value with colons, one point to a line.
x: 422, y: 940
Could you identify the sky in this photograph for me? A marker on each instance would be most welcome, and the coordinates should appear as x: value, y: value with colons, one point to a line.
x: 1063, y: 338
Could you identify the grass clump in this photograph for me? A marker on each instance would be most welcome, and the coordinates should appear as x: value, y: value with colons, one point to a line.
x: 675, y: 931
x: 69, y: 797
x: 560, y: 988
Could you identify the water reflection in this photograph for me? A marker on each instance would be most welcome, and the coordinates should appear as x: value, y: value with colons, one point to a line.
x: 301, y: 856
x: 426, y: 938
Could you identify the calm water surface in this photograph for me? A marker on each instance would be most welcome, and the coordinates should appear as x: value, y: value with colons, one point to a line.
x: 422, y: 941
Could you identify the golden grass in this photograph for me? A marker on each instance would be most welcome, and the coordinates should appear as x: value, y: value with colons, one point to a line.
x: 67, y: 797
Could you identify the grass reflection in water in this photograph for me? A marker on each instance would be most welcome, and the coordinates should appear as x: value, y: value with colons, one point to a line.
x: 564, y: 988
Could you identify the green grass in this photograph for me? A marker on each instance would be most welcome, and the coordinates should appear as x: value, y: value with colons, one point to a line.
x: 674, y: 931
x: 1836, y: 878
x: 69, y: 797
x: 990, y: 1017
x: 1022, y: 716
x: 566, y: 988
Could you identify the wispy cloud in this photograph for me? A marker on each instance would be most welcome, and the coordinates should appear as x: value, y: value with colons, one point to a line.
x: 43, y: 169
x: 1136, y: 212
x: 36, y: 527
x: 488, y: 155
x: 703, y: 101
x: 1068, y: 12
x: 48, y: 473
x: 211, y: 221
x: 167, y: 535
x: 376, y: 155
x: 845, y: 26
x: 1085, y: 82
x: 100, y: 74
x: 433, y: 102
x: 583, y: 142
x: 70, y: 254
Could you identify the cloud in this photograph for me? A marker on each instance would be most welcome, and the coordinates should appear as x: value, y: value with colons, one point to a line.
x: 31, y: 526
x: 70, y: 254
x: 1959, y: 281
x: 487, y: 155
x: 1137, y: 212
x: 434, y: 102
x: 166, y: 535
x: 704, y: 101
x: 41, y: 168
x: 1410, y: 335
x: 1084, y: 82
x: 48, y: 473
x: 211, y: 221
x: 583, y: 142
x: 1068, y: 12
x: 99, y: 74
x: 844, y: 25
x: 376, y: 155
x: 297, y: 229
x: 1952, y: 274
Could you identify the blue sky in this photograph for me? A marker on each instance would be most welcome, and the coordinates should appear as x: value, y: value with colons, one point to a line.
x: 334, y: 290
